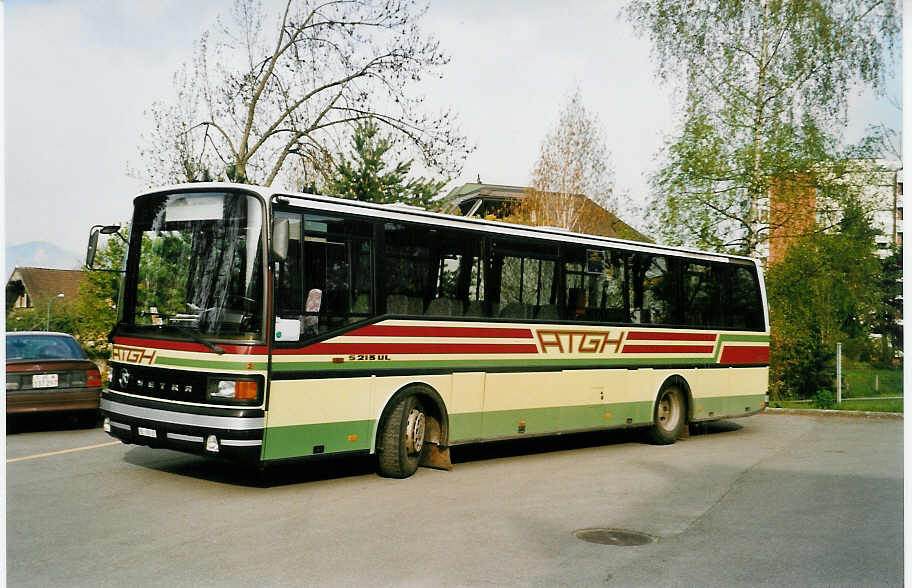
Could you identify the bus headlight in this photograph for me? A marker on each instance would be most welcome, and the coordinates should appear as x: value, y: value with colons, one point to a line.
x: 242, y: 391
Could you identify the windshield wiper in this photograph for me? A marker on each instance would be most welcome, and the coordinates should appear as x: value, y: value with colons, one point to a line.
x: 184, y: 331
x: 196, y: 337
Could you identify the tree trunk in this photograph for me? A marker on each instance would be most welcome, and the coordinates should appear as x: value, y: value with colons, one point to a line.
x: 753, y: 240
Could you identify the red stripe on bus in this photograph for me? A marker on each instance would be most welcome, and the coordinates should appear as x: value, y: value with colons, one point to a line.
x: 420, y: 331
x: 410, y: 348
x: 668, y: 349
x: 646, y: 336
x: 187, y: 346
x: 745, y: 354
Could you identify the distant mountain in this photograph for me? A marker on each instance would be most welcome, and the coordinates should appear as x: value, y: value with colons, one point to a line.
x: 40, y: 254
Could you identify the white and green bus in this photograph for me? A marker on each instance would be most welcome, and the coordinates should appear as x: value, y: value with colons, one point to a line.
x: 265, y: 326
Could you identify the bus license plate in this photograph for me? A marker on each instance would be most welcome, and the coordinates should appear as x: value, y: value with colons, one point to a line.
x: 44, y: 381
x: 146, y: 432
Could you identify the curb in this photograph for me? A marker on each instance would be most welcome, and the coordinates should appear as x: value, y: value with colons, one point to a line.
x: 835, y: 413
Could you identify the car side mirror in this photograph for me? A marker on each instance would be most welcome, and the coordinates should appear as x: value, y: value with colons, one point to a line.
x: 280, y: 239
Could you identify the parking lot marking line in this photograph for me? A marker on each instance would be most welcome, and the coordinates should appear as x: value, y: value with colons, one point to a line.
x: 61, y: 452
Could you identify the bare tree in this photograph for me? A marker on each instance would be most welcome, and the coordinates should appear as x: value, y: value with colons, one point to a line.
x: 573, y: 171
x: 257, y: 102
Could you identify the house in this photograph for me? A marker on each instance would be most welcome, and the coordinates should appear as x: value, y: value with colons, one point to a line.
x: 496, y: 202
x: 888, y: 211
x: 794, y: 207
x: 30, y: 287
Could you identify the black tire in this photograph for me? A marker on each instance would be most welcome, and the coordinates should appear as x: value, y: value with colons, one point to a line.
x: 669, y: 416
x: 402, y: 439
x: 86, y: 419
x: 91, y: 419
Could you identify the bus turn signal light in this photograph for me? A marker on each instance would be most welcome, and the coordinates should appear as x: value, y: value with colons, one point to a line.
x: 245, y: 390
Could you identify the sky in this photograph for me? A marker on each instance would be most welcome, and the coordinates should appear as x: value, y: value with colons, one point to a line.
x: 79, y: 74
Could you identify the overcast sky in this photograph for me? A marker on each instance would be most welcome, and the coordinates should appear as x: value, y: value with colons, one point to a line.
x: 80, y: 73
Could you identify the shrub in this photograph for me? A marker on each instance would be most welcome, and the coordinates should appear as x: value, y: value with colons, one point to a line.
x: 824, y: 399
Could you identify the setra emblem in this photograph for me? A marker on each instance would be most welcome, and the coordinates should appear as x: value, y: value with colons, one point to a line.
x: 124, y: 379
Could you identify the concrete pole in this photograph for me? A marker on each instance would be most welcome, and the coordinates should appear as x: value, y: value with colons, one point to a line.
x: 839, y: 373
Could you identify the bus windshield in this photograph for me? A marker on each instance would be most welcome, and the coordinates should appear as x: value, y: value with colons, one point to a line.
x: 195, y: 263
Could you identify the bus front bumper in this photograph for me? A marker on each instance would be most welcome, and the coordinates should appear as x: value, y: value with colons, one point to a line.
x: 231, y: 433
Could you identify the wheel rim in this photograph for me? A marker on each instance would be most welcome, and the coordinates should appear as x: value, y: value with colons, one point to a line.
x: 414, y: 431
x: 668, y: 412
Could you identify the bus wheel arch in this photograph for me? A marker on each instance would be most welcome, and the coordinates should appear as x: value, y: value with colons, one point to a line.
x: 413, y: 430
x: 671, y: 411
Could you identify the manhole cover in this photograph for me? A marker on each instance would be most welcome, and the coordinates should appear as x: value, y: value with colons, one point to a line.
x: 618, y: 537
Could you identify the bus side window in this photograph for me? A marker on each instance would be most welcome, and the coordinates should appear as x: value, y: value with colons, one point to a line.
x: 326, y: 281
x: 595, y: 282
x: 407, y: 269
x: 478, y: 304
x: 702, y: 302
x: 338, y: 263
x: 522, y: 282
x: 289, y: 286
x: 433, y: 272
x: 654, y: 290
x: 526, y: 290
x: 744, y: 304
x: 459, y: 282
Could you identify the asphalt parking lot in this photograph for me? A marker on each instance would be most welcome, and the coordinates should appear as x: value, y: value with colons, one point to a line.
x: 769, y: 500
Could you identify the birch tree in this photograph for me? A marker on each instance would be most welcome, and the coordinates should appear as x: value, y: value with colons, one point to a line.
x: 573, y: 170
x: 765, y: 86
x: 267, y: 93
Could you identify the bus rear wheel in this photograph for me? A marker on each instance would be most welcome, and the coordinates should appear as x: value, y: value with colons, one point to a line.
x: 402, y: 439
x: 669, y: 418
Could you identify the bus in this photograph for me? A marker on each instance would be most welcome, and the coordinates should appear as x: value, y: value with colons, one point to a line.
x: 264, y: 326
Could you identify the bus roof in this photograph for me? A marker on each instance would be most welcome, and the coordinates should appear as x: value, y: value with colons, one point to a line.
x: 404, y: 212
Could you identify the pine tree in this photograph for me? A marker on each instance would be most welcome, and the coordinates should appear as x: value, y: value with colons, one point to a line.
x: 367, y: 176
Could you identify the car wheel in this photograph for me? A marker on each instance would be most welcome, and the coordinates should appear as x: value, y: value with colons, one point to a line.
x: 89, y: 419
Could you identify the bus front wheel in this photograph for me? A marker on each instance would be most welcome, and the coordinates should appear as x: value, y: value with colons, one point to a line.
x: 669, y: 418
x: 402, y: 439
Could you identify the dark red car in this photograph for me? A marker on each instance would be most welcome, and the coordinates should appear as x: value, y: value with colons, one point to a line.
x: 49, y: 372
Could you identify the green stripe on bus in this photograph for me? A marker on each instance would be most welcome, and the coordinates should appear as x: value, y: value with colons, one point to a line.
x: 726, y: 406
x: 300, y: 440
x: 506, y: 423
x: 745, y: 338
x: 214, y: 365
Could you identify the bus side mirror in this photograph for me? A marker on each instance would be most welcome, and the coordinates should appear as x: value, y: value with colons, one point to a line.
x: 280, y: 239
x: 93, y: 246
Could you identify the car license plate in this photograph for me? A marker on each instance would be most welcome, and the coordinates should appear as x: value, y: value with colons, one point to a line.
x: 44, y: 381
x: 146, y: 432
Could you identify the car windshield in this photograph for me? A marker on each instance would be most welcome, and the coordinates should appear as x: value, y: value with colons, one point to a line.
x: 195, y: 264
x: 27, y: 347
